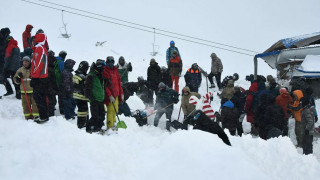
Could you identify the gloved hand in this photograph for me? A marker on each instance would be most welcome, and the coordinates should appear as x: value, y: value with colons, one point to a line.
x: 20, y: 75
x: 306, y: 132
x: 111, y: 98
x: 211, y: 98
x: 316, y: 118
x: 122, y: 97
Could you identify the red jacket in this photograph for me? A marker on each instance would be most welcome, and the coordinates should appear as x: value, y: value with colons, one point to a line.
x: 11, y: 45
x: 39, y: 63
x: 113, y: 83
x: 284, y: 100
x: 248, y: 108
x: 26, y: 35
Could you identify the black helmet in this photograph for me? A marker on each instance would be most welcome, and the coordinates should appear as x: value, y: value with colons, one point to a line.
x: 100, y: 65
x: 63, y: 54
x: 83, y: 66
x: 235, y: 76
x: 121, y: 60
x: 110, y: 59
x: 9, y: 38
x: 39, y: 31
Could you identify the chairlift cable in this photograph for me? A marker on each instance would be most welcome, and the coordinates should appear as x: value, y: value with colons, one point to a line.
x: 139, y: 28
x: 148, y: 26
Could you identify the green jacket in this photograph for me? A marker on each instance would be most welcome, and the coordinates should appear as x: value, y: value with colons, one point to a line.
x: 124, y: 71
x: 94, y: 87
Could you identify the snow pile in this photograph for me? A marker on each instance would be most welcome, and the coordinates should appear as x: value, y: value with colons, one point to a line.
x: 59, y: 150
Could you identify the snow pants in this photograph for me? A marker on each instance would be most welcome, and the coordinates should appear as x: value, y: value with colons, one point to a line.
x: 10, y: 74
x: 307, y: 144
x: 52, y: 102
x: 175, y: 82
x: 298, y: 129
x: 97, y: 116
x: 83, y: 114
x: 69, y: 106
x: 40, y: 92
x: 112, y: 112
x: 33, y: 106
x: 218, y: 79
x: 168, y: 111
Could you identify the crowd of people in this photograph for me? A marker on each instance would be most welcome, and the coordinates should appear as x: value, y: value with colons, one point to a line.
x: 39, y: 77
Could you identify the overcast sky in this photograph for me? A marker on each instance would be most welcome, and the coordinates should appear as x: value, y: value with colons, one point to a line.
x: 248, y: 24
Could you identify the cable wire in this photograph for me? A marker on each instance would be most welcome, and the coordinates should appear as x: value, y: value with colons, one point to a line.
x: 150, y: 31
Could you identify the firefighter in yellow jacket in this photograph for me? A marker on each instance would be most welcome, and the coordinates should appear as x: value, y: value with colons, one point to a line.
x: 24, y: 73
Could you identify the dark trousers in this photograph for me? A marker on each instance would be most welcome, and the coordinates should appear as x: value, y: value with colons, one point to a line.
x: 69, y: 107
x: 83, y: 115
x: 285, y: 128
x: 218, y: 79
x: 61, y: 104
x: 168, y: 111
x: 52, y: 103
x: 232, y: 132
x: 10, y: 74
x: 40, y: 92
x: 97, y: 116
x: 307, y: 144
x: 124, y: 109
x: 240, y: 129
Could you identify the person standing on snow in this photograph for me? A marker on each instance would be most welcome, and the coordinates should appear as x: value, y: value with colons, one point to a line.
x: 296, y: 110
x: 284, y: 99
x: 94, y: 91
x: 124, y: 69
x: 307, y: 124
x: 153, y: 77
x: 165, y: 77
x: 175, y: 68
x: 114, y: 91
x: 39, y: 76
x: 78, y: 94
x: 66, y: 89
x: 12, y: 64
x: 4, y: 34
x: 164, y: 104
x: 216, y: 70
x: 170, y: 51
x: 193, y: 78
x: 58, y: 68
x: 26, y: 37
x: 24, y: 74
x: 229, y: 116
x: 53, y: 88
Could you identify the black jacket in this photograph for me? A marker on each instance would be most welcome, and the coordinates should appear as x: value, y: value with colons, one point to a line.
x: 53, y: 88
x: 66, y: 87
x: 166, y: 97
x: 202, y: 122
x: 166, y: 78
x: 154, y: 75
x: 13, y: 62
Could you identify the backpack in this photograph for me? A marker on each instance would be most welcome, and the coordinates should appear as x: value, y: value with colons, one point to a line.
x: 57, y: 72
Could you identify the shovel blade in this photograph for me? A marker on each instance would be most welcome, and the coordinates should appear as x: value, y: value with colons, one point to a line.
x: 122, y: 124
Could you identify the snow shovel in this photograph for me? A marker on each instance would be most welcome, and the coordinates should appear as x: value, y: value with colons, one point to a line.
x: 157, y: 111
x: 120, y: 124
x: 25, y: 93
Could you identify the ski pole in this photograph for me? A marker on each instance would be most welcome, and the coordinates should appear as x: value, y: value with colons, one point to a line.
x: 25, y: 93
x: 158, y: 110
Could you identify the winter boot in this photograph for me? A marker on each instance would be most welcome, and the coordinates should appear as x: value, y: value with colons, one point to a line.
x: 168, y: 125
x: 8, y: 93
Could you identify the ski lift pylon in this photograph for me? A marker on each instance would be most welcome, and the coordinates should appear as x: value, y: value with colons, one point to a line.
x: 65, y: 34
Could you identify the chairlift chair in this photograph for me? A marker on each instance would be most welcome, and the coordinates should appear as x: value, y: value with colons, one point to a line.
x: 65, y: 34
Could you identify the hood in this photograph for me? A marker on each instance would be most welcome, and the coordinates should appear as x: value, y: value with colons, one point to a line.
x: 228, y: 104
x: 186, y: 89
x: 298, y: 93
x: 40, y: 38
x: 69, y: 64
x: 213, y: 56
x: 253, y: 87
x: 13, y: 42
x: 29, y: 27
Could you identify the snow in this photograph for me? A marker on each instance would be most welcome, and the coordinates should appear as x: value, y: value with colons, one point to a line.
x: 311, y: 63
x: 59, y: 150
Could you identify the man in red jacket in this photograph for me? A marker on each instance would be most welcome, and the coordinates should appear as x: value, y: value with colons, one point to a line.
x: 26, y: 37
x: 251, y: 105
x: 39, y: 76
x: 114, y: 92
